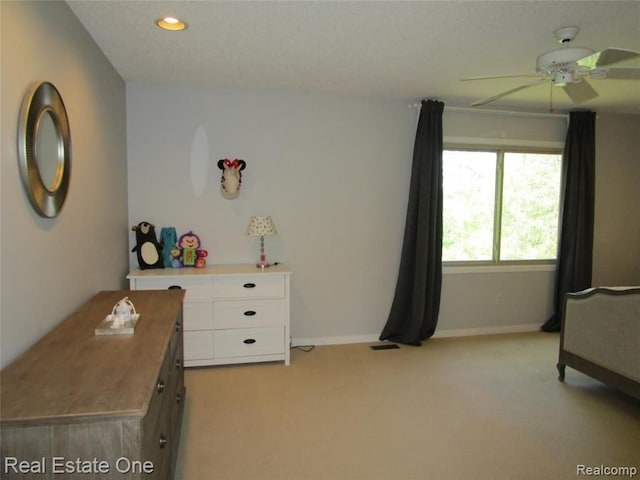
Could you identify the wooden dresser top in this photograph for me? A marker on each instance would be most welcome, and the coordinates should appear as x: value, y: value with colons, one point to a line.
x: 72, y: 373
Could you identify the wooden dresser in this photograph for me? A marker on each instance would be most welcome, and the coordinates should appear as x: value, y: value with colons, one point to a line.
x: 232, y: 313
x: 79, y: 405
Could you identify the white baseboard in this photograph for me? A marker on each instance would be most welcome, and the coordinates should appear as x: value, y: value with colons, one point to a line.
x: 373, y: 337
x: 341, y: 340
x: 470, y: 332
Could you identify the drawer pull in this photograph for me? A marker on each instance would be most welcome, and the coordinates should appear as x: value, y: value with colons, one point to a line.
x: 250, y: 313
x: 163, y: 441
x: 249, y: 285
x: 249, y: 341
x: 174, y: 287
x: 160, y: 386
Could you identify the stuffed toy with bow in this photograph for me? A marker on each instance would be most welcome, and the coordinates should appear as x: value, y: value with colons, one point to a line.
x: 231, y: 179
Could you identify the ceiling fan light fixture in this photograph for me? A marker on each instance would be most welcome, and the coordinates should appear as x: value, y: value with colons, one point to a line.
x: 550, y: 62
x: 561, y: 79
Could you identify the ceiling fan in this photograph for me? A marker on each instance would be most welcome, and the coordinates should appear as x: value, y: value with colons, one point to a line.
x: 568, y: 67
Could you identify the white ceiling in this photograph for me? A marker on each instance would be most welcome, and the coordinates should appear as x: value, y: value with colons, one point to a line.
x: 396, y: 49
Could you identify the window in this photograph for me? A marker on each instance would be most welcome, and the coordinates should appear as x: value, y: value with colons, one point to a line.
x: 500, y: 205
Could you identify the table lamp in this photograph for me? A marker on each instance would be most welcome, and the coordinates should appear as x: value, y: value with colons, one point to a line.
x: 261, y: 226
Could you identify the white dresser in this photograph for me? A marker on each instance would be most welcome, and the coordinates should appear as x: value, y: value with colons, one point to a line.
x: 232, y: 313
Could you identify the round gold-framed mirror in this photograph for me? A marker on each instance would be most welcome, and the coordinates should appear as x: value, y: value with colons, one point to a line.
x: 44, y: 149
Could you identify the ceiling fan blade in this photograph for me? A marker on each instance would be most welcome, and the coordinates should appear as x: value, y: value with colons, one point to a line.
x: 579, y: 92
x: 512, y: 90
x: 491, y: 77
x: 623, y: 73
x: 607, y: 57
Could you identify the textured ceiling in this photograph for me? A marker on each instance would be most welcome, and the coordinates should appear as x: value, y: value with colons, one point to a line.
x: 396, y: 49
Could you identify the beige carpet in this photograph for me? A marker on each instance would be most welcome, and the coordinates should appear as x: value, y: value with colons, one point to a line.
x: 487, y: 407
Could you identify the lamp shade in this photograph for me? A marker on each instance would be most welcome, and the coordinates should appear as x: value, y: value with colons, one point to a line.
x: 261, y: 226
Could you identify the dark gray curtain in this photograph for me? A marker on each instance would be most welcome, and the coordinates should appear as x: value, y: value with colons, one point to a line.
x: 414, y: 312
x: 575, y: 252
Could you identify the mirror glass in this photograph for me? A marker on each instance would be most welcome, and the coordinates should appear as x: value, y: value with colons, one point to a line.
x: 44, y: 149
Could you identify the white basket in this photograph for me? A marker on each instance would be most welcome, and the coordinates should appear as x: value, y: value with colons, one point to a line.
x: 122, y: 319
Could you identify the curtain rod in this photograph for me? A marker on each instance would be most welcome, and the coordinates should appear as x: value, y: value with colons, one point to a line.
x: 498, y: 112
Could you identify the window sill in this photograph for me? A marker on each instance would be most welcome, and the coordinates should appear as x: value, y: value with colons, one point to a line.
x: 465, y: 269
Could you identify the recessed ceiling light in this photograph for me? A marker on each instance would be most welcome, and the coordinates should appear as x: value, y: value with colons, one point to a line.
x: 171, y: 23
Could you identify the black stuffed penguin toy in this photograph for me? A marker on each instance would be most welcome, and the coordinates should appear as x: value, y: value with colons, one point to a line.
x: 147, y: 247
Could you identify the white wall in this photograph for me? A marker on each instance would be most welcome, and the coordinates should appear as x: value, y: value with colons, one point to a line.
x: 495, y: 300
x: 617, y: 217
x: 333, y: 172
x: 49, y: 267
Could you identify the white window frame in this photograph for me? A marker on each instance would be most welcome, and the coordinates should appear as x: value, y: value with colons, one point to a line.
x: 496, y: 264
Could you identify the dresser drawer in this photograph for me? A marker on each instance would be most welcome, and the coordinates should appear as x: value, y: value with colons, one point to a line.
x: 155, y: 406
x: 249, y: 286
x: 248, y: 342
x: 176, y: 339
x: 248, y: 313
x: 198, y: 316
x: 198, y: 345
x: 157, y: 422
x: 198, y: 289
x: 158, y: 446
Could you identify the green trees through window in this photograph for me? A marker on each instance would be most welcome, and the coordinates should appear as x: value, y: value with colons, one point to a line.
x: 500, y: 205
